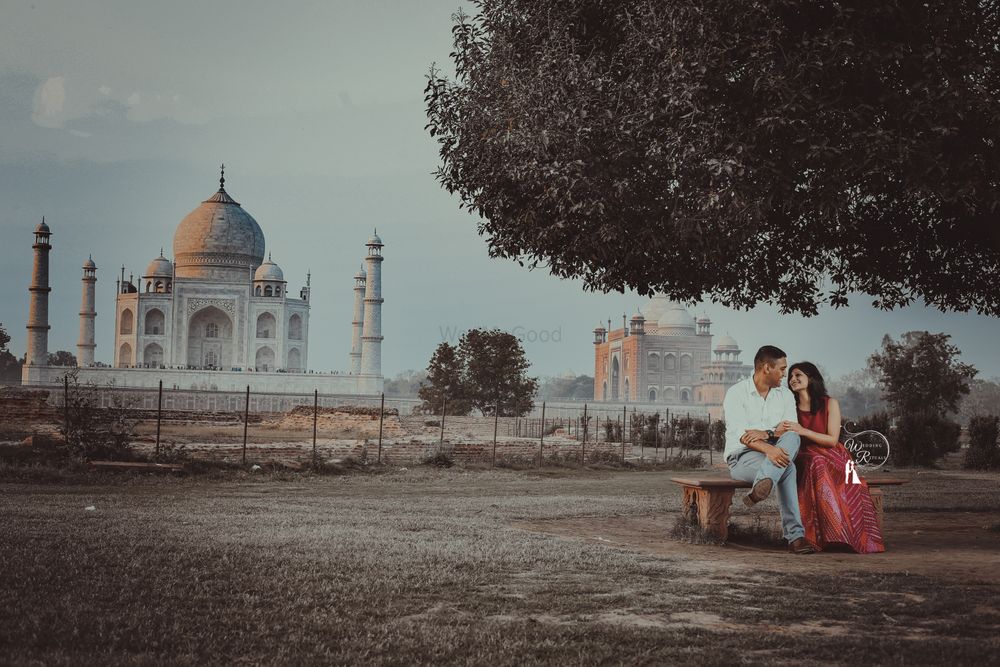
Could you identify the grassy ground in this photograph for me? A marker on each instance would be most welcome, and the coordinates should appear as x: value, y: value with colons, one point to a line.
x: 449, y: 566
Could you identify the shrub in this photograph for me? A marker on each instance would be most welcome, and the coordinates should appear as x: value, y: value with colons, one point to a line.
x: 983, y: 452
x: 439, y: 460
x: 95, y: 432
x: 171, y: 453
x: 612, y: 431
x: 717, y: 435
x: 920, y: 439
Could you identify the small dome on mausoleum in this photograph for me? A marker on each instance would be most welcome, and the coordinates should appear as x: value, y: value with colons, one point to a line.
x: 269, y: 271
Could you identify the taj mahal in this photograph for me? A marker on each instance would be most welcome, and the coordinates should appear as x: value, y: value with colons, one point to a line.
x: 217, y: 316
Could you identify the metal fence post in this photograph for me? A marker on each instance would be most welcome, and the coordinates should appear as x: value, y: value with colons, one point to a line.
x: 315, y: 419
x: 159, y: 415
x: 246, y: 422
x: 496, y: 423
x: 381, y: 416
x: 583, y: 455
x: 541, y: 437
x: 621, y: 432
x: 444, y: 409
x: 66, y: 405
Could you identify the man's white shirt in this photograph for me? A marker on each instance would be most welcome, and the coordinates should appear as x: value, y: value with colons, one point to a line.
x: 744, y: 408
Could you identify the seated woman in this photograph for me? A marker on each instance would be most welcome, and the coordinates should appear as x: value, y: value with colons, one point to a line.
x: 834, y: 510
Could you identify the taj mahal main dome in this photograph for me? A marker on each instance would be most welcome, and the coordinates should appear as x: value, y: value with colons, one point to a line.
x: 220, y: 234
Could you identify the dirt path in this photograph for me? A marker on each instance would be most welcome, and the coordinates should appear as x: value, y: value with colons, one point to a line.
x: 957, y: 545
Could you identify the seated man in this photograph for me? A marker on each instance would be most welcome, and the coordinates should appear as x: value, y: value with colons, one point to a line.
x: 757, y: 451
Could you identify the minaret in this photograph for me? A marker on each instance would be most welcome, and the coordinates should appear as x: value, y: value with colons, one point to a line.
x: 358, y: 321
x: 371, y: 334
x: 85, y: 346
x: 37, y: 353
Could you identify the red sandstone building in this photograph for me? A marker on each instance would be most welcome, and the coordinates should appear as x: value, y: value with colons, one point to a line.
x: 665, y: 356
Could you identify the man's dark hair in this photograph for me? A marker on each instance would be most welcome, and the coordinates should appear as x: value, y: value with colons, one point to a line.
x: 768, y: 354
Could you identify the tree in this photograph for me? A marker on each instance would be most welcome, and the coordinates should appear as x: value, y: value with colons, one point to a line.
x: 444, y: 381
x: 10, y: 367
x: 923, y: 382
x: 859, y: 393
x: 575, y: 387
x: 496, y: 370
x: 62, y: 358
x: 485, y: 367
x: 755, y: 152
x: 983, y: 399
x: 921, y: 374
x: 406, y: 384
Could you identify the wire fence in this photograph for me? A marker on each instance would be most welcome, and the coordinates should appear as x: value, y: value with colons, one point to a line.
x: 594, y: 433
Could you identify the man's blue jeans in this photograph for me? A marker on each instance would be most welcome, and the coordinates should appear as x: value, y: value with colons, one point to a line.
x: 752, y: 466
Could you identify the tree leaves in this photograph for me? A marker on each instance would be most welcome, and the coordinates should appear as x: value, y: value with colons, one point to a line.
x: 744, y: 152
x: 487, y: 367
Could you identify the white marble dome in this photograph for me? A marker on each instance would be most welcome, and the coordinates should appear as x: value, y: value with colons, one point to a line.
x: 219, y: 233
x: 269, y: 271
x: 159, y: 268
x: 89, y: 264
x: 727, y: 342
x: 668, y: 316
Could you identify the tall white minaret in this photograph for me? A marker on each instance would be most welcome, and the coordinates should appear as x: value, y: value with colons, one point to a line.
x: 358, y: 321
x: 371, y: 335
x: 85, y: 346
x: 37, y: 353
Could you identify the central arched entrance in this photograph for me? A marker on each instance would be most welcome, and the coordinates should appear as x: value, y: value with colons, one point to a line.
x: 615, y: 371
x: 210, y: 339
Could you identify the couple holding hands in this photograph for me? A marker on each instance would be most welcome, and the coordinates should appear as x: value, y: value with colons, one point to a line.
x: 789, y: 438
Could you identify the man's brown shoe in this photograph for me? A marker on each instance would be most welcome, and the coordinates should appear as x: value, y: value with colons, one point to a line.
x: 760, y: 491
x: 800, y: 545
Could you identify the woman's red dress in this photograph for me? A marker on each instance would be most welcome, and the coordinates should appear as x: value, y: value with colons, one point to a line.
x: 833, y: 511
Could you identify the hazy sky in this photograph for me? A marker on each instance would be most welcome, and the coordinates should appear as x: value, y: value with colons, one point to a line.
x: 114, y: 117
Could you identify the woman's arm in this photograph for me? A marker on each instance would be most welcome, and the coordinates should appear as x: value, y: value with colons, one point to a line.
x: 828, y: 439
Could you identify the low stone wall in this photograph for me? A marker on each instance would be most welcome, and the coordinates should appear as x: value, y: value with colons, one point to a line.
x: 233, y: 402
x: 216, y: 380
x: 405, y: 452
x: 26, y: 412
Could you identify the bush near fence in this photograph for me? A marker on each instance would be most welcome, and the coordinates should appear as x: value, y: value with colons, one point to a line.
x: 983, y: 452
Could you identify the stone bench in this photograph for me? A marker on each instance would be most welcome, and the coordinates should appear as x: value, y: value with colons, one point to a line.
x: 708, y: 499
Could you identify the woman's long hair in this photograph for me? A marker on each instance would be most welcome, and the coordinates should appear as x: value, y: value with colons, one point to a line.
x: 816, y: 387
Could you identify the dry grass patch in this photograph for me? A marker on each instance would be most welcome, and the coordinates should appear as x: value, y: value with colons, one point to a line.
x: 424, y: 566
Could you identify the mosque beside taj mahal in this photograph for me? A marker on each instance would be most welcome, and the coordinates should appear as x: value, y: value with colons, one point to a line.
x: 216, y: 316
x: 664, y: 357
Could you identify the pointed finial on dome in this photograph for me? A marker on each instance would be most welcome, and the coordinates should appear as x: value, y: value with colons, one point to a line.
x: 222, y: 176
x: 161, y: 252
x: 269, y: 256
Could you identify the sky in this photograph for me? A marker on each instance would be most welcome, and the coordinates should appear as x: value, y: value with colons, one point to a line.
x: 115, y: 116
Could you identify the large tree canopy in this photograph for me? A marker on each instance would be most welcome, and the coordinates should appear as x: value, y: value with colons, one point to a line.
x: 772, y: 151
